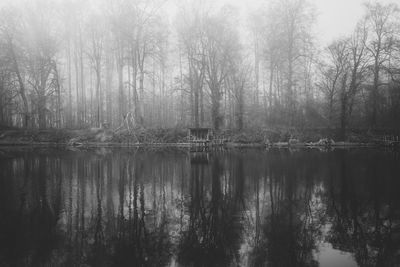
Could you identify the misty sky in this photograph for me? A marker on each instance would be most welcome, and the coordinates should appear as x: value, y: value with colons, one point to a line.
x: 335, y: 18
x: 338, y: 17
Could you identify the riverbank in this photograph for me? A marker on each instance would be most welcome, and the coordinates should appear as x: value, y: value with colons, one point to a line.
x: 177, y: 137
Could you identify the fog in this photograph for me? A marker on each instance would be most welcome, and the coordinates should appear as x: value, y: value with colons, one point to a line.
x: 225, y: 64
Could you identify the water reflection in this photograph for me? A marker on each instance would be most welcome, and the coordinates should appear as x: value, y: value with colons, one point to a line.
x: 236, y: 208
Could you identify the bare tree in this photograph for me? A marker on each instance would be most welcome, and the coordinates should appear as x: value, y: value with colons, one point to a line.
x: 41, y: 51
x: 380, y: 20
x: 221, y: 41
x: 95, y: 53
x: 337, y: 65
x: 9, y: 29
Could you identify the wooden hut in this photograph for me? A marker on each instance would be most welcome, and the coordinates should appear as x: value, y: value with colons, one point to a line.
x: 200, y: 137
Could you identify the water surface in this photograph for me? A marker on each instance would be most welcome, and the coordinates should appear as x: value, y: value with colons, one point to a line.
x: 122, y: 207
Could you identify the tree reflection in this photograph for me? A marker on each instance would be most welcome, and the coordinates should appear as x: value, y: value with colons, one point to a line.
x: 292, y: 223
x: 362, y: 205
x: 31, y: 209
x: 231, y: 208
x: 213, y: 234
x: 51, y: 222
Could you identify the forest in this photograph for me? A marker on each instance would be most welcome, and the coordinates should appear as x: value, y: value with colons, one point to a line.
x: 131, y: 64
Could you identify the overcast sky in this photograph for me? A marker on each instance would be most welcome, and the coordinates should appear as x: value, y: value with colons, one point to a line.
x: 335, y: 18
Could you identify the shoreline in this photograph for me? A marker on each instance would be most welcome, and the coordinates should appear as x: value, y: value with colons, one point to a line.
x: 228, y: 145
x: 177, y: 138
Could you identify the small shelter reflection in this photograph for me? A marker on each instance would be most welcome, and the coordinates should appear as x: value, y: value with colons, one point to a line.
x: 199, y: 158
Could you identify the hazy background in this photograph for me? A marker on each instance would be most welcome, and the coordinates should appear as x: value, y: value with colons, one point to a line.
x: 221, y: 64
x: 335, y: 18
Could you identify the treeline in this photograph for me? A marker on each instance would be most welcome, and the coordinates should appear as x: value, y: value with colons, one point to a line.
x: 129, y: 63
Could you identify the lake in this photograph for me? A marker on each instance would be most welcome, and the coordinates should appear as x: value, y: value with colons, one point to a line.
x: 129, y: 207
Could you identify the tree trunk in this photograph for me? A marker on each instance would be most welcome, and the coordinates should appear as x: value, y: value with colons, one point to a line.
x: 240, y: 108
x: 78, y: 106
x: 109, y: 89
x: 343, y: 109
x: 69, y: 83
x: 196, y: 106
x: 374, y: 92
x: 215, y: 107
x: 271, y: 82
x: 98, y: 93
x: 121, y: 100
x: 22, y: 90
x: 58, y: 91
x: 83, y: 94
x: 42, y: 111
x: 256, y: 69
x: 201, y: 105
x: 141, y: 85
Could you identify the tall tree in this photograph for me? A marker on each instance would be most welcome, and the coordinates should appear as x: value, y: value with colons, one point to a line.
x: 95, y: 52
x: 221, y: 40
x: 9, y: 30
x: 41, y: 52
x: 380, y: 20
x: 332, y: 72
